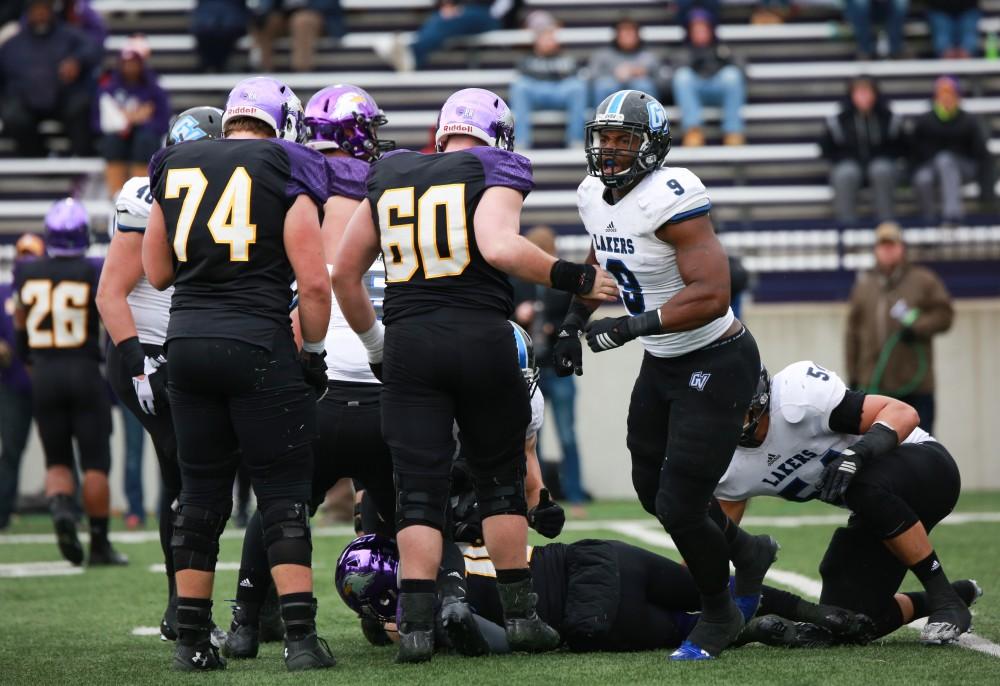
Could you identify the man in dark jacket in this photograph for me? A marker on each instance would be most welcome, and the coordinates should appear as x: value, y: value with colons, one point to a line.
x: 948, y: 148
x: 863, y: 143
x: 45, y: 73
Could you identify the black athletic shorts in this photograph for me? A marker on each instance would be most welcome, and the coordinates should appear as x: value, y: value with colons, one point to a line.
x: 350, y: 445
x: 689, y: 410
x: 70, y: 400
x: 447, y: 366
x: 859, y: 573
x: 232, y: 402
x: 160, y: 426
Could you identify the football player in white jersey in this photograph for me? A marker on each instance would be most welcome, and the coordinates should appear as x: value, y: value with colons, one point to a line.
x: 343, y: 122
x: 650, y: 228
x: 135, y: 315
x: 808, y: 436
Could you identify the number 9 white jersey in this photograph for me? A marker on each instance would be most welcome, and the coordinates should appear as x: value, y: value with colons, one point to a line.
x: 150, y: 307
x: 624, y: 239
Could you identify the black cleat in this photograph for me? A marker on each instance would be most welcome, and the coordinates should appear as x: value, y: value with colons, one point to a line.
x: 272, y: 628
x: 415, y: 646
x: 203, y: 657
x: 526, y: 632
x: 949, y: 619
x: 312, y: 652
x: 106, y: 556
x: 773, y: 630
x: 846, y: 626
x: 67, y: 538
x: 168, y: 624
x: 242, y: 641
x: 460, y: 627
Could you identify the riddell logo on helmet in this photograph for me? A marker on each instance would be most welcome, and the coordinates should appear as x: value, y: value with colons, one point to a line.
x: 241, y: 110
x: 456, y: 128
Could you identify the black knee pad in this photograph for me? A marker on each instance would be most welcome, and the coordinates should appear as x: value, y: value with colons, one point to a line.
x: 421, y: 500
x: 883, y: 513
x: 500, y: 488
x: 286, y: 533
x: 195, y: 540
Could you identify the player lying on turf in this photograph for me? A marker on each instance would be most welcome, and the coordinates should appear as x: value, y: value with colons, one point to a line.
x: 601, y: 595
x: 808, y: 436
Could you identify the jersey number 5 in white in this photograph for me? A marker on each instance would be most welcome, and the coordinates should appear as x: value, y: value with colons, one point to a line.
x: 67, y: 303
x: 400, y: 242
x: 229, y: 221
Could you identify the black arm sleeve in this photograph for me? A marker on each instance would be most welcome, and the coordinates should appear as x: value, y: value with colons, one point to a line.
x: 846, y: 417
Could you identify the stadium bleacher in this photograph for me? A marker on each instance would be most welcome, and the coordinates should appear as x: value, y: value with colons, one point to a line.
x: 761, y: 191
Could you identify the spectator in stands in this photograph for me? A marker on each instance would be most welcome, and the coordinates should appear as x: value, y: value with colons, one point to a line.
x: 548, y: 80
x: 217, y: 26
x: 626, y: 63
x: 954, y: 27
x: 947, y: 148
x: 863, y: 14
x: 15, y: 392
x: 708, y: 75
x: 895, y: 311
x: 303, y: 20
x: 131, y: 113
x: 451, y: 19
x: 540, y: 311
x: 863, y: 143
x: 45, y: 73
x: 684, y: 8
x: 771, y: 12
x: 80, y: 14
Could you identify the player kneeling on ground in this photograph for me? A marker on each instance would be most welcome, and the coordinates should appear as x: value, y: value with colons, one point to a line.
x: 808, y: 436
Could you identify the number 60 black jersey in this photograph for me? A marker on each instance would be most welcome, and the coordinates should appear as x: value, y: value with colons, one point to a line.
x: 224, y: 202
x: 424, y: 206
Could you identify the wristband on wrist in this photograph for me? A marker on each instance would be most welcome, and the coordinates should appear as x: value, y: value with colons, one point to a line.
x: 646, y: 324
x: 132, y: 355
x: 313, y: 347
x: 878, y: 440
x: 374, y: 339
x: 572, y: 277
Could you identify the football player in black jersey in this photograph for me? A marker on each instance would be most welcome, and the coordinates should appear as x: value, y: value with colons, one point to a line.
x: 58, y: 330
x: 233, y: 222
x: 135, y: 316
x: 447, y: 226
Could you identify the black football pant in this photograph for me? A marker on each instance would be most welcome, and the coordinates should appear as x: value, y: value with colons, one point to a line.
x: 451, y: 366
x: 234, y: 402
x: 160, y: 428
x: 684, y: 422
x: 914, y: 482
x: 70, y: 400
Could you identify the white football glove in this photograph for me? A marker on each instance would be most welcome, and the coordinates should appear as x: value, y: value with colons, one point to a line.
x: 142, y: 384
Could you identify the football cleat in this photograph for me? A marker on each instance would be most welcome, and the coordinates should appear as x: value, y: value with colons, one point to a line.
x: 203, y: 657
x: 415, y: 646
x: 242, y: 641
x: 106, y: 556
x: 460, y: 627
x: 946, y: 623
x: 715, y: 636
x: 526, y: 632
x: 748, y: 605
x: 311, y: 652
x: 272, y: 629
x: 67, y: 538
x: 689, y: 652
x: 168, y: 624
x: 773, y: 630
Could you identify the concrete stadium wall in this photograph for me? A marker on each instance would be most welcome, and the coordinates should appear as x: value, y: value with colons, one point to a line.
x: 967, y: 361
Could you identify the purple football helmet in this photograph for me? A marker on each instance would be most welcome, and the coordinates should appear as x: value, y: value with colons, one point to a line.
x: 478, y: 113
x: 67, y: 229
x: 345, y: 117
x: 366, y: 577
x: 272, y: 102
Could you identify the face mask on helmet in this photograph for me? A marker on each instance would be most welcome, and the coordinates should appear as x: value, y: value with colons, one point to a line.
x: 366, y: 577
x: 346, y: 118
x: 628, y: 137
x: 759, y: 406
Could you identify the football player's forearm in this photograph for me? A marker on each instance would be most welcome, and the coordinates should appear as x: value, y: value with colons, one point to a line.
x: 355, y: 304
x: 517, y: 256
x: 694, y: 306
x: 314, y: 312
x: 116, y: 315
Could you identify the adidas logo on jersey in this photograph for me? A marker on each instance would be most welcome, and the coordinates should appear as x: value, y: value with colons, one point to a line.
x: 772, y: 458
x: 610, y: 228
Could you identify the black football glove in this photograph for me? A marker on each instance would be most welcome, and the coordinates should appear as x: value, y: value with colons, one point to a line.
x: 837, y: 475
x: 547, y: 517
x: 314, y: 370
x: 567, y: 353
x: 613, y: 332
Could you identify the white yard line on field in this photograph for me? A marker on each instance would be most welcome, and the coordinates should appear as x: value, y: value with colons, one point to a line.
x: 20, y: 570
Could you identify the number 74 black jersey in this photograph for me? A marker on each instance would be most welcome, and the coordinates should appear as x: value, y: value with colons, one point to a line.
x: 424, y: 207
x: 224, y: 202
x: 625, y: 243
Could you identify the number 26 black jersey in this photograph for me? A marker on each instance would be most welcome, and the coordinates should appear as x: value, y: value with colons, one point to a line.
x: 424, y: 206
x: 224, y: 202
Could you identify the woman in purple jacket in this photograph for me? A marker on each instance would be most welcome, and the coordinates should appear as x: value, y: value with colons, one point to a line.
x: 131, y: 114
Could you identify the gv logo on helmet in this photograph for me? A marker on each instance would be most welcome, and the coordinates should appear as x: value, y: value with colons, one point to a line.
x: 657, y: 117
x: 187, y: 129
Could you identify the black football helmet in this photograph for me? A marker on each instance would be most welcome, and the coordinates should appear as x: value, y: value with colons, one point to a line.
x: 759, y: 406
x: 644, y: 118
x: 194, y: 124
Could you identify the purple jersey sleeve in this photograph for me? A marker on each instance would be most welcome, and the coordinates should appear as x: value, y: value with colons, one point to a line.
x: 503, y: 168
x: 347, y: 177
x: 308, y: 175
